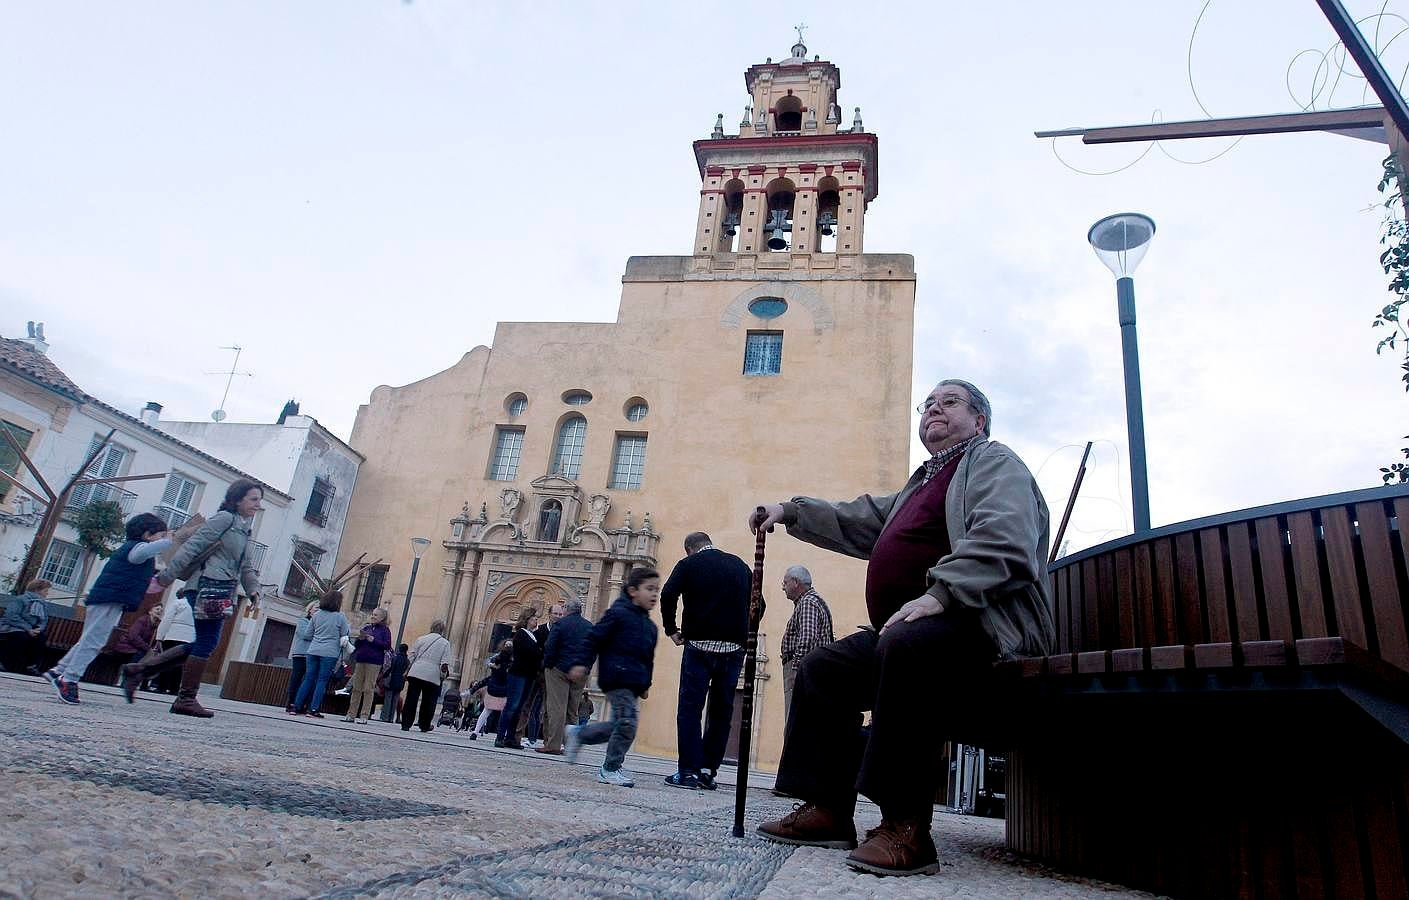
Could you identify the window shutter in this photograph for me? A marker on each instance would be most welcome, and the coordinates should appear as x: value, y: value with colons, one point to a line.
x: 188, y: 490
x: 172, y: 491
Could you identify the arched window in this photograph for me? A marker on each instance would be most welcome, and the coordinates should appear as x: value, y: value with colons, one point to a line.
x: 732, y: 223
x: 549, y: 518
x: 567, y: 449
x: 779, y: 225
x: 788, y: 114
x: 828, y: 208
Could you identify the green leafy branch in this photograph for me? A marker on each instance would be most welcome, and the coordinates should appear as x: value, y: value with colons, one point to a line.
x: 1395, y: 262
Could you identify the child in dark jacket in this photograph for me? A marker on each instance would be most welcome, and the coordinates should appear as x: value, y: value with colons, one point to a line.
x: 623, y: 643
x: 119, y: 588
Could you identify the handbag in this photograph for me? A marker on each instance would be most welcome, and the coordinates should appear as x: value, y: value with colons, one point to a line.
x: 213, y: 599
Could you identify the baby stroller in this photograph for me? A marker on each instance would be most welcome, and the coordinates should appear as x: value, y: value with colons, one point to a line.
x: 449, y: 708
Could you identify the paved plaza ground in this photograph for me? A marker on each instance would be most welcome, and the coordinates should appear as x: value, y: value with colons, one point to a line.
x: 110, y: 800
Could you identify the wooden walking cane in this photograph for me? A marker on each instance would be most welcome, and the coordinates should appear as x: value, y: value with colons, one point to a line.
x: 750, y: 671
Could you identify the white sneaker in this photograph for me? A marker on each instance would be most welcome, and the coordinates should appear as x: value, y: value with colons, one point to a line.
x: 620, y: 778
x: 347, y: 718
x: 360, y: 721
x: 572, y: 742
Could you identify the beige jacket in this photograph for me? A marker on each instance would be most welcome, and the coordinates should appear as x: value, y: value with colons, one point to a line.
x: 998, y: 536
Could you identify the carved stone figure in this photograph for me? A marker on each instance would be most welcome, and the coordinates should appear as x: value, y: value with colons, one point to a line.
x: 509, y: 501
x: 597, y: 507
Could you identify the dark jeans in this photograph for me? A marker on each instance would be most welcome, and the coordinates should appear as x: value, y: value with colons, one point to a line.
x: 207, y: 637
x: 708, y: 682
x: 910, y: 678
x: 315, y: 680
x: 513, y: 703
x: 19, y: 651
x: 298, y: 667
x: 427, y: 694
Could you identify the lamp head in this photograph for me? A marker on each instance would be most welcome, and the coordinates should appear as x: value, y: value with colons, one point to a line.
x: 1120, y: 241
x: 419, y: 545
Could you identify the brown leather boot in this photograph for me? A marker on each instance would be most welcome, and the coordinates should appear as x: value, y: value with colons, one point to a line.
x: 897, y: 848
x: 186, y: 704
x: 133, y: 674
x: 811, y: 825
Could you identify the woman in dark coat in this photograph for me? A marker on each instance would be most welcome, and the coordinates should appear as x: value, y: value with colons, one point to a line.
x: 527, y: 664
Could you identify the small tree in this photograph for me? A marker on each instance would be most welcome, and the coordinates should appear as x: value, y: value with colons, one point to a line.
x: 1395, y: 261
x: 100, y: 531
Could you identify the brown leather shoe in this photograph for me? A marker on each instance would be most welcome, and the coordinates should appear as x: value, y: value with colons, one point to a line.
x: 546, y: 750
x: 810, y: 825
x: 896, y: 848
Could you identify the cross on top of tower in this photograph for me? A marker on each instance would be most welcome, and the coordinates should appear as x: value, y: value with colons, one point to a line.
x: 799, y: 49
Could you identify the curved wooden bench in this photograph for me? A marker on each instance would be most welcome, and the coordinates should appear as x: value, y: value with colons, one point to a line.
x: 1228, y: 710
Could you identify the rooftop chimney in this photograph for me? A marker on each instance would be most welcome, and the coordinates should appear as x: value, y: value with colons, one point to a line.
x: 151, y: 414
x: 36, y: 337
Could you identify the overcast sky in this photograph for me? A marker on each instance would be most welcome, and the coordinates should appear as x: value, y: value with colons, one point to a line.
x: 356, y: 191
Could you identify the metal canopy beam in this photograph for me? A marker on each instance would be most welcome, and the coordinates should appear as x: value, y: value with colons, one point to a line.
x: 1366, y: 117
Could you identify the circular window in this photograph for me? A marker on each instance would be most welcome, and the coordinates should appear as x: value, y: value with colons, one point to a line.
x: 768, y: 307
x: 515, y: 404
x: 577, y: 398
x: 636, y: 409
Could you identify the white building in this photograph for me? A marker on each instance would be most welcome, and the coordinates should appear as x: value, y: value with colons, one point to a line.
x: 59, y: 424
x: 314, y: 466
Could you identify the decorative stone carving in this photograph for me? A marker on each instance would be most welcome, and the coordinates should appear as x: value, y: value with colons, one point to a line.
x: 509, y: 501
x: 598, y: 505
x: 646, y: 525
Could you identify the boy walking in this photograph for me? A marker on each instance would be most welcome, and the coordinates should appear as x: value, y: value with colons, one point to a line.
x: 119, y: 589
x: 625, y: 642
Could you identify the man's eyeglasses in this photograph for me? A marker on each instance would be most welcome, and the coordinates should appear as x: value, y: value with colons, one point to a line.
x: 946, y: 403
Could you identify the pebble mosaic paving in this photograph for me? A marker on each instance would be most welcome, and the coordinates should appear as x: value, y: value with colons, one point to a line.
x: 111, y: 800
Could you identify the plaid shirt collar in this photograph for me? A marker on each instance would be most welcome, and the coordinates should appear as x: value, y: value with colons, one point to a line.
x: 944, y: 457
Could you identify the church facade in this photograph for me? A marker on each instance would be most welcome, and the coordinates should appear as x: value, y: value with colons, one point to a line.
x: 772, y: 360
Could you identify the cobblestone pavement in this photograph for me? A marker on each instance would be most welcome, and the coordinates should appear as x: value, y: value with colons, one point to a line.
x: 110, y: 800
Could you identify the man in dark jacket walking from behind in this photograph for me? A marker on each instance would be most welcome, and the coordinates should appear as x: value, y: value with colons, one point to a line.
x: 393, y: 680
x: 565, y: 644
x: 714, y: 627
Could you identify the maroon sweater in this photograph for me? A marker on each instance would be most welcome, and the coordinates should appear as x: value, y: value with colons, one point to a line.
x: 916, y: 539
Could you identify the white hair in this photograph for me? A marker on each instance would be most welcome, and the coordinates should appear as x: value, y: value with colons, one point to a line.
x: 800, y: 573
x: 572, y: 606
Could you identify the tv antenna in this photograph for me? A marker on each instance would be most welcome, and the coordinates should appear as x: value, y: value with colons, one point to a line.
x: 219, y: 414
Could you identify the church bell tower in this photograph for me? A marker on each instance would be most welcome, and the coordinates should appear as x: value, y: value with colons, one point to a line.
x: 792, y: 180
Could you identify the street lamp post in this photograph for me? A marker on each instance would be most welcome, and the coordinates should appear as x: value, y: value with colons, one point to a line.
x: 1120, y: 242
x: 418, y: 547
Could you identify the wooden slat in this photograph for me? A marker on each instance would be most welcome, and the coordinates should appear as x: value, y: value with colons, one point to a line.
x: 1061, y: 664
x: 1128, y: 659
x: 1147, y: 604
x: 1093, y: 662
x: 1385, y: 842
x: 1166, y: 622
x: 1272, y: 557
x: 1090, y: 615
x: 1305, y: 548
x: 1244, y: 583
x: 1345, y: 587
x: 1385, y: 605
x: 1267, y: 653
x: 1214, y: 656
x: 1189, y: 599
x: 1127, y: 612
x: 1107, y: 602
x: 1215, y: 591
x: 1346, y: 874
x: 1061, y: 585
x: 1073, y: 610
x: 1172, y: 657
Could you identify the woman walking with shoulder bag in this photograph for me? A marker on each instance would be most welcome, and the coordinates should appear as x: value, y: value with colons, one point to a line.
x: 428, y: 667
x: 214, y: 562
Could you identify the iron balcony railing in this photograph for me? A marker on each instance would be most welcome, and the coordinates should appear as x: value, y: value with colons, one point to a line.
x: 100, y: 492
x: 257, y: 552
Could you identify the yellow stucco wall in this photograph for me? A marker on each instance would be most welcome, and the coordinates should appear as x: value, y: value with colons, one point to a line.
x: 835, y: 422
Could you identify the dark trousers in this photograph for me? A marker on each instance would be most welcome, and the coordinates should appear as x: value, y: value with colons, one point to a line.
x: 19, y: 650
x: 513, y: 704
x: 426, y: 694
x: 911, y: 679
x: 298, y: 667
x: 708, y: 682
